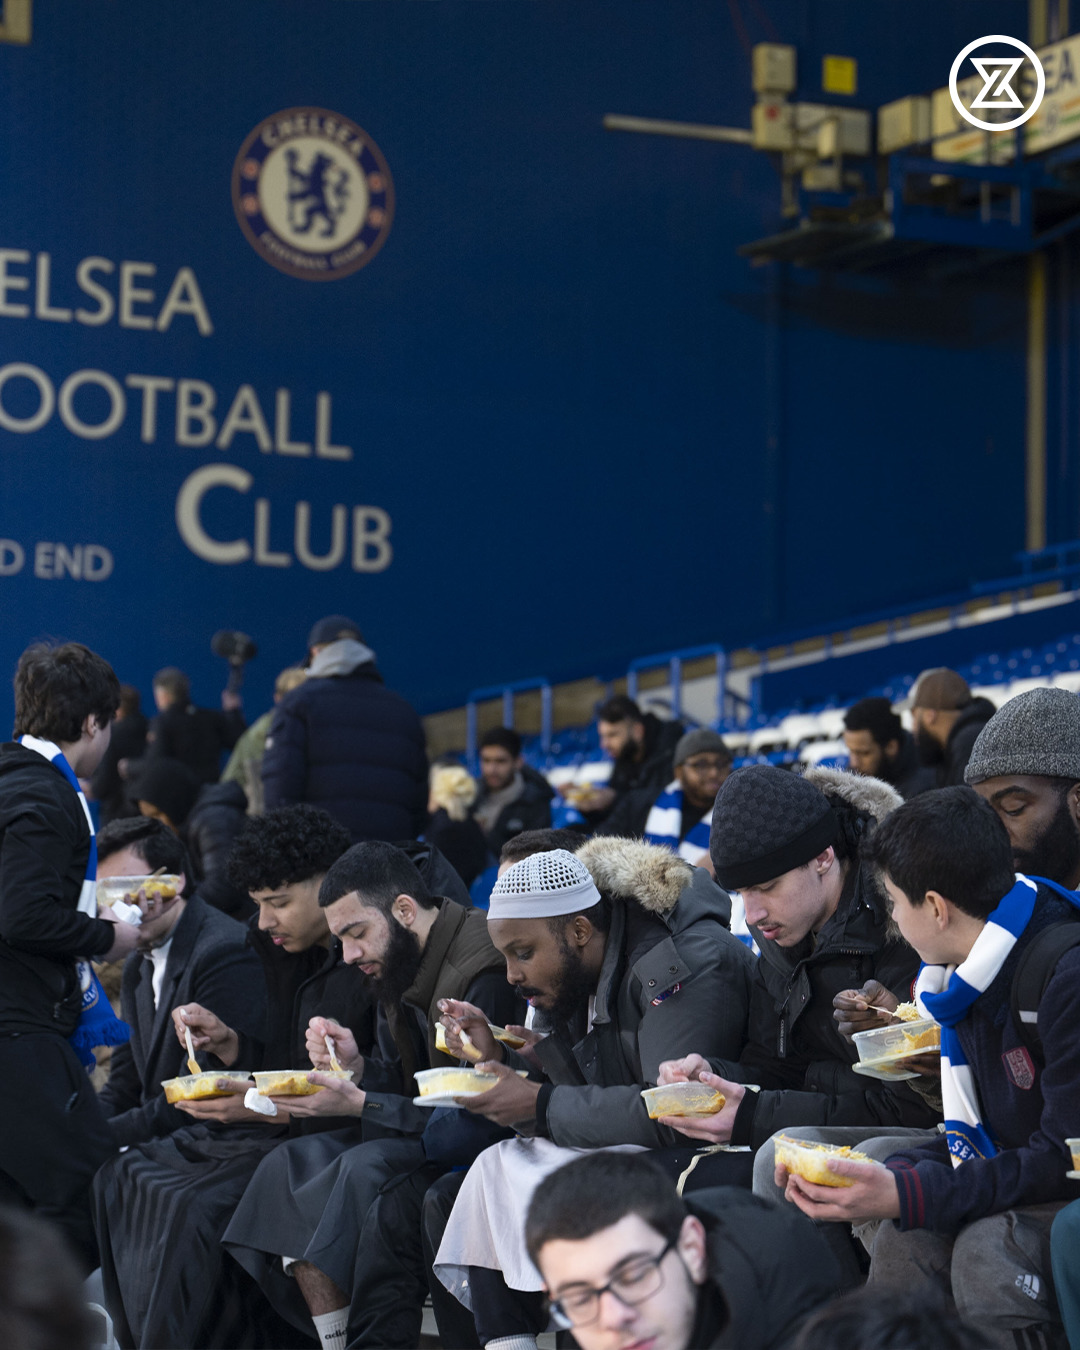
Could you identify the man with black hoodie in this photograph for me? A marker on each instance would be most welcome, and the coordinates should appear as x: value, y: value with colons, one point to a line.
x: 345, y: 742
x: 641, y: 747
x: 53, y: 1135
x: 628, y: 1263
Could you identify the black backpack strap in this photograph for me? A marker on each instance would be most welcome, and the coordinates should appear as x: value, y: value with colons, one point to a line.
x: 1034, y: 972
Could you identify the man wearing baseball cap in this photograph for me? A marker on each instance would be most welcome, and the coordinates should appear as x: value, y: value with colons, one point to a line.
x: 1026, y: 763
x: 946, y: 720
x: 346, y: 743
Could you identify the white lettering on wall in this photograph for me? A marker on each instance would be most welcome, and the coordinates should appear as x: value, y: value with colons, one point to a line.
x: 371, y: 525
x: 135, y: 304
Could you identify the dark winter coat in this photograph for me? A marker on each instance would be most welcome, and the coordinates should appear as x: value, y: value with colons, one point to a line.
x: 44, y: 848
x: 655, y: 768
x: 530, y: 811
x: 961, y: 742
x: 300, y: 986
x: 795, y: 1051
x: 436, y: 870
x: 1029, y: 1109
x: 768, y: 1268
x: 218, y: 816
x: 127, y: 741
x: 355, y: 748
x: 209, y: 963
x: 461, y: 842
x: 673, y: 981
x: 197, y: 737
x: 907, y: 773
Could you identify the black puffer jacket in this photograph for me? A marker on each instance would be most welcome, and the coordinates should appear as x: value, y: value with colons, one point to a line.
x: 350, y: 745
x: 218, y: 816
x: 795, y: 1052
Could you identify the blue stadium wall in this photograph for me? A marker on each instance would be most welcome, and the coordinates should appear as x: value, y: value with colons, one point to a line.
x: 562, y: 422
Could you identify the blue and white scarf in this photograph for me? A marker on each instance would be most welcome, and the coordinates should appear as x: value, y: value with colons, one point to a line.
x: 98, y: 1025
x: 947, y: 993
x: 664, y: 826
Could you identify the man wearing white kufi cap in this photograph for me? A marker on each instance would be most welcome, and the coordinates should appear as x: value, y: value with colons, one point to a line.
x: 623, y: 951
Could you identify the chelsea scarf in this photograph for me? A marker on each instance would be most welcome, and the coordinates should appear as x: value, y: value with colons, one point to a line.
x: 664, y: 826
x: 947, y: 993
x: 97, y: 1023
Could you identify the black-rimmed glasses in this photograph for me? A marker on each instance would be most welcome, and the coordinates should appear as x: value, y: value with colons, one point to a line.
x: 635, y: 1282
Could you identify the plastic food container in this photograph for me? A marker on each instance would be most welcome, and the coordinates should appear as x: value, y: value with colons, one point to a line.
x: 682, y: 1099
x: 199, y: 1087
x: 456, y: 1082
x: 1073, y: 1145
x: 922, y: 1037
x: 111, y: 889
x: 499, y: 1033
x: 810, y: 1161
x: 293, y: 1082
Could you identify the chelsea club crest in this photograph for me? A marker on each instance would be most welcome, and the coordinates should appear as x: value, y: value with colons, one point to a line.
x: 313, y: 193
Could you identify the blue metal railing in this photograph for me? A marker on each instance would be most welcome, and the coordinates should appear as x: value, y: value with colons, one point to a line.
x: 674, y: 661
x: 1056, y: 562
x: 507, y: 692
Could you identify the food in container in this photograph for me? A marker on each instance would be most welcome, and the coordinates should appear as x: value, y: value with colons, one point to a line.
x: 112, y: 889
x: 455, y: 1082
x: 508, y: 1038
x: 886, y: 1044
x: 293, y: 1082
x: 811, y: 1161
x: 683, y: 1099
x: 199, y: 1087
x: 468, y: 1049
x: 1073, y: 1145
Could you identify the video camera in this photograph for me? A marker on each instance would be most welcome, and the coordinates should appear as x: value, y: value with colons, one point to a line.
x: 236, y: 648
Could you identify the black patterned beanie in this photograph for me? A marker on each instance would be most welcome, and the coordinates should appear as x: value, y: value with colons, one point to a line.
x: 767, y: 821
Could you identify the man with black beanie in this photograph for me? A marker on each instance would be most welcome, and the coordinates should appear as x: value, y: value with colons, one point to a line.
x: 789, y: 846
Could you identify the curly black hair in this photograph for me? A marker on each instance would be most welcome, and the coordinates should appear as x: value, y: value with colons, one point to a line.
x: 288, y: 844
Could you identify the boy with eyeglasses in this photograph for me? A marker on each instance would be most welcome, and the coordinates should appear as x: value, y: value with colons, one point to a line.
x: 629, y: 1265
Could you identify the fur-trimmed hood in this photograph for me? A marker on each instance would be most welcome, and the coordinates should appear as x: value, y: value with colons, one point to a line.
x: 630, y: 869
x: 860, y: 793
x: 655, y: 879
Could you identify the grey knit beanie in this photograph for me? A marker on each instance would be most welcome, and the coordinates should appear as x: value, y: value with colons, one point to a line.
x: 767, y: 821
x: 697, y: 741
x: 1035, y: 733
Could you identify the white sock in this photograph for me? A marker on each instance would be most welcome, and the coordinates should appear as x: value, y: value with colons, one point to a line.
x: 332, y: 1328
x: 512, y: 1343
